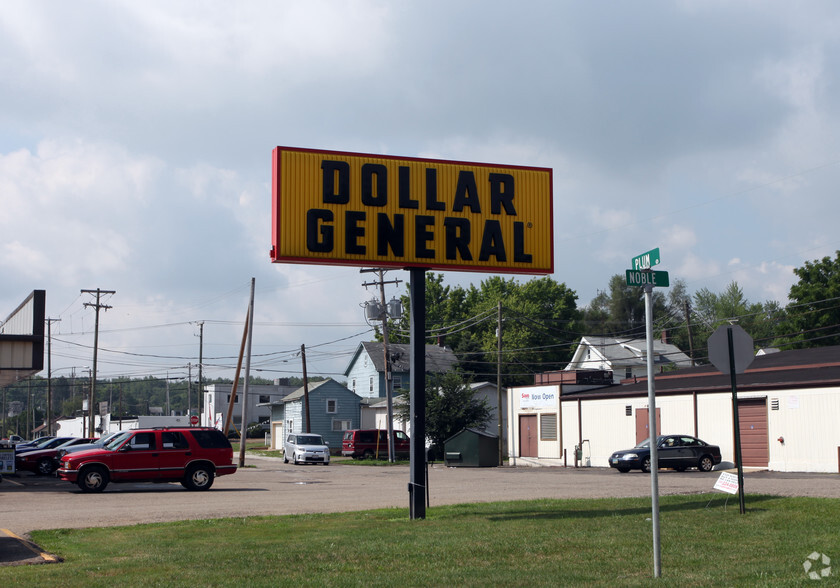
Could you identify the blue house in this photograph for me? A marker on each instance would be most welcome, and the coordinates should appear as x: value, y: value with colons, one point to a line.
x: 366, y: 371
x: 333, y: 409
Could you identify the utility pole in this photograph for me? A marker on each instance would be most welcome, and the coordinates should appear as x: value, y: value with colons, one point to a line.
x: 200, y: 394
x: 97, y: 306
x: 389, y: 393
x: 243, y: 437
x: 499, y: 382
x: 687, y: 309
x: 30, y: 408
x: 50, y: 321
x: 189, y: 388
x: 305, y: 386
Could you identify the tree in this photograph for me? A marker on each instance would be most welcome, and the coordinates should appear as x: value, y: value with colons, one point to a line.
x: 537, y: 318
x: 451, y: 406
x: 760, y: 319
x: 621, y: 311
x: 813, y: 317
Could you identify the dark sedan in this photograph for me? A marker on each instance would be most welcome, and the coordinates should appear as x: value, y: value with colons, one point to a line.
x: 43, y: 443
x: 45, y: 461
x: 679, y: 452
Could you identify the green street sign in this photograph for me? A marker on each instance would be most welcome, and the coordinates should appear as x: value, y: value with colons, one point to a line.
x: 646, y: 260
x: 645, y: 277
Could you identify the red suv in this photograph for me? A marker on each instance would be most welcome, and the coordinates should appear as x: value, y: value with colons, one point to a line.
x: 367, y: 443
x: 193, y: 456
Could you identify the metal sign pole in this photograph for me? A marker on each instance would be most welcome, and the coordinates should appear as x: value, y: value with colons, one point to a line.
x: 417, y: 401
x: 654, y: 453
x: 736, y: 424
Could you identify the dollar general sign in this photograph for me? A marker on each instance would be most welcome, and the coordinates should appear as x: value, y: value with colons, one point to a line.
x: 356, y: 209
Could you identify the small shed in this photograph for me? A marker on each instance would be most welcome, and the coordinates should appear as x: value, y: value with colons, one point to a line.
x: 471, y: 448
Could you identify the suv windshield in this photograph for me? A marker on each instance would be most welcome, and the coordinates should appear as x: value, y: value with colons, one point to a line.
x: 116, y: 440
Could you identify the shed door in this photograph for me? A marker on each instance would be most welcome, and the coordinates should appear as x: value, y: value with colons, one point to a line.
x: 752, y: 418
x: 643, y: 424
x: 528, y: 435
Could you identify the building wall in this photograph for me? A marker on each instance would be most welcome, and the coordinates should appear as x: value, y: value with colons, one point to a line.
x: 362, y: 372
x: 326, y: 424
x: 520, y: 399
x: 807, y: 421
x: 804, y: 418
x: 215, y: 403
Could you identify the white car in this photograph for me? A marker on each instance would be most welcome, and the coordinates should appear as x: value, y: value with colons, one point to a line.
x: 306, y: 448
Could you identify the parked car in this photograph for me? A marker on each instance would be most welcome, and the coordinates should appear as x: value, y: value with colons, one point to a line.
x: 193, y: 456
x: 306, y: 448
x: 12, y: 441
x: 99, y: 443
x: 679, y: 452
x: 45, y: 444
x: 45, y: 461
x: 369, y: 443
x: 35, y: 442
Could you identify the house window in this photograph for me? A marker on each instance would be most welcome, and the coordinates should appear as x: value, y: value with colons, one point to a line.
x: 396, y: 382
x: 628, y: 373
x: 332, y: 406
x: 235, y: 400
x: 371, y: 383
x: 265, y: 398
x: 340, y: 425
x: 548, y: 427
x: 354, y: 385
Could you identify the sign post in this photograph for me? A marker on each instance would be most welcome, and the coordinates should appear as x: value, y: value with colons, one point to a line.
x: 731, y: 351
x: 357, y: 209
x: 642, y: 275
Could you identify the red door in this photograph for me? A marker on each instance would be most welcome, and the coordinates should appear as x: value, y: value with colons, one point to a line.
x: 137, y: 458
x: 528, y: 436
x: 643, y: 424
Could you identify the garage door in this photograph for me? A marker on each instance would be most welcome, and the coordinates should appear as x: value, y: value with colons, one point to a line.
x: 752, y: 418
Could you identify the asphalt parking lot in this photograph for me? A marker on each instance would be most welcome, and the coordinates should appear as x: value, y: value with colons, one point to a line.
x: 267, y: 486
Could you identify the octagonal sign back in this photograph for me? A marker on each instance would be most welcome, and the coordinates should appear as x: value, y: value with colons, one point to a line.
x: 742, y: 347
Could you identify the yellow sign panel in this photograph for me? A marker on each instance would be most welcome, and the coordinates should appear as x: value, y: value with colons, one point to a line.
x: 356, y: 209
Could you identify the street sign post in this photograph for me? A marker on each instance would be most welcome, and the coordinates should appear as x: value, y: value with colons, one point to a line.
x: 646, y: 260
x: 647, y: 277
x: 642, y: 275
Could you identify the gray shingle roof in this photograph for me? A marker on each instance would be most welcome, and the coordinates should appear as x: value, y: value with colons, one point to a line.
x: 438, y: 359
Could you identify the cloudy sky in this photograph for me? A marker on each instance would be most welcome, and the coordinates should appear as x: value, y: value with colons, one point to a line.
x: 136, y: 139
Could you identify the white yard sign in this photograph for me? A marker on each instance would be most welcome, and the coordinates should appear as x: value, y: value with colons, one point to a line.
x: 727, y: 483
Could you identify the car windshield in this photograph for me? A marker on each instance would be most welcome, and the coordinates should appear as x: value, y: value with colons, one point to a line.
x: 117, y: 440
x: 309, y: 440
x: 69, y: 443
x: 646, y: 442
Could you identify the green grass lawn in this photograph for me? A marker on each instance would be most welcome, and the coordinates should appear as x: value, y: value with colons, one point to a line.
x: 604, y: 542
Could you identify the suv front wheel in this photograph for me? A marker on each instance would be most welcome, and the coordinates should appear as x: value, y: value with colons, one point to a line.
x: 93, y: 479
x: 198, y: 477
